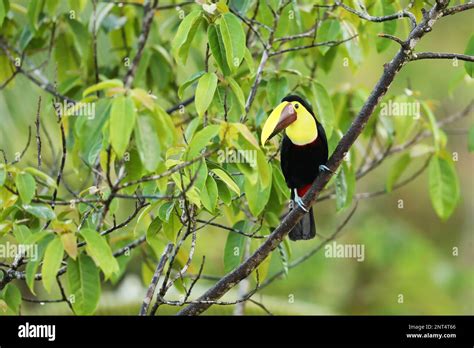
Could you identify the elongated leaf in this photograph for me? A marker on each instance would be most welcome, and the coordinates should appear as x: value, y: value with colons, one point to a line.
x: 345, y: 187
x: 257, y: 196
x: 21, y: 233
x: 101, y: 86
x: 389, y: 27
x: 26, y: 185
x: 40, y: 211
x: 84, y: 284
x: 209, y: 194
x: 205, y: 92
x: 330, y: 30
x: 227, y: 180
x: 122, y: 123
x: 147, y: 141
x: 189, y: 82
x: 33, y: 265
x: 52, y: 262
x: 433, y: 124
x: 443, y: 185
x: 239, y: 94
x: 217, y: 47
x: 40, y: 175
x: 34, y: 10
x: 324, y: 108
x: 233, y: 37
x: 184, y: 36
x: 201, y: 139
x: 397, y: 170
x: 4, y: 7
x: 234, y: 248
x: 100, y: 251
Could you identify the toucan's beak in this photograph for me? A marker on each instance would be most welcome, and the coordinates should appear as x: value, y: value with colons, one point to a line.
x: 280, y: 118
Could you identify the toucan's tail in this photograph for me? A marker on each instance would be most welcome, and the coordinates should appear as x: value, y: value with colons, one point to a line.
x: 305, y: 228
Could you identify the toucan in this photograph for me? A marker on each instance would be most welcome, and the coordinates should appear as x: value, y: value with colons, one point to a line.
x: 304, y: 153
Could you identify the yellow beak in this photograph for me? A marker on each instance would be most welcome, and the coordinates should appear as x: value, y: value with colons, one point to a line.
x: 280, y: 118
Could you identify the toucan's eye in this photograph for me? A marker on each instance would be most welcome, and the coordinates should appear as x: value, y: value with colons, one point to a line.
x: 296, y: 106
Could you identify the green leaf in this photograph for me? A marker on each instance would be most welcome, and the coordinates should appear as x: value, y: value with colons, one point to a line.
x: 101, y: 86
x: 209, y: 194
x: 389, y: 27
x: 239, y: 94
x: 21, y: 233
x: 277, y: 89
x: 26, y: 185
x: 89, y: 131
x: 469, y: 66
x: 52, y: 262
x: 224, y: 193
x: 34, y: 10
x: 165, y: 210
x: 234, y: 248
x: 3, y: 174
x: 147, y: 141
x: 100, y: 251
x: 201, y: 139
x: 226, y: 179
x: 43, y: 176
x: 330, y: 30
x: 12, y: 297
x: 257, y: 196
x: 352, y: 45
x: 122, y: 123
x: 216, y: 44
x: 4, y: 7
x: 40, y: 211
x: 434, y: 125
x: 443, y: 185
x: 324, y: 108
x: 189, y: 82
x: 249, y: 60
x: 397, y: 170
x: 233, y: 36
x: 345, y: 187
x: 184, y: 36
x: 205, y: 92
x: 33, y: 265
x: 470, y: 141
x: 84, y: 284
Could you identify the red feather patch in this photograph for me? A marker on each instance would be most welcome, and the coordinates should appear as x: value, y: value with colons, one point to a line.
x: 302, y: 190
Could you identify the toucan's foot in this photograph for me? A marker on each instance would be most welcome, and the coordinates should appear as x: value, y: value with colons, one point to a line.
x: 299, y: 201
x: 323, y: 168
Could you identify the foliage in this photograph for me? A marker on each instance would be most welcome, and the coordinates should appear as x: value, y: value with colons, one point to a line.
x: 154, y: 167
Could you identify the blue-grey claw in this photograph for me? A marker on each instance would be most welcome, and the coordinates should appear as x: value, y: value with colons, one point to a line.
x: 323, y: 168
x: 299, y: 201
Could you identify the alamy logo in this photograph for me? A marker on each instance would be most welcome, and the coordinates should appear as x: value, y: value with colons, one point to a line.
x: 9, y: 250
x: 354, y: 251
x: 37, y: 331
x: 237, y: 156
x: 75, y: 109
x: 392, y: 108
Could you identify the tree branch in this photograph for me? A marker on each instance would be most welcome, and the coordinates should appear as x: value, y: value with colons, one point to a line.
x: 439, y: 55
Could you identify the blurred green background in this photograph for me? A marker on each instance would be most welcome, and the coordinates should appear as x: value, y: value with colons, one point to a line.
x: 408, y: 251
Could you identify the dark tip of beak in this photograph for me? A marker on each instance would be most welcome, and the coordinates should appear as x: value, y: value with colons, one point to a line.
x: 287, y: 117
